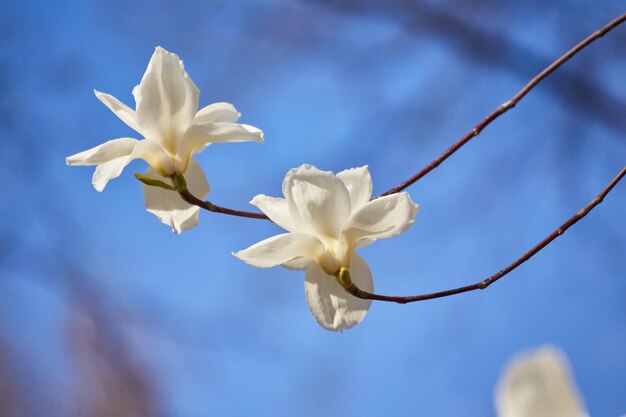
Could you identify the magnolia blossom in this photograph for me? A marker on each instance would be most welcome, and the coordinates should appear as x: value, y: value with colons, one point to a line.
x: 539, y: 384
x: 173, y: 130
x: 328, y: 216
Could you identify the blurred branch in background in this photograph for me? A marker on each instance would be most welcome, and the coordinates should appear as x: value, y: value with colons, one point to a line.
x: 111, y: 382
x: 107, y: 377
x: 493, y: 49
x: 13, y: 401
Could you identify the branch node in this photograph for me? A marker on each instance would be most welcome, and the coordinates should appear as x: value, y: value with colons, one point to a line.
x: 507, y: 105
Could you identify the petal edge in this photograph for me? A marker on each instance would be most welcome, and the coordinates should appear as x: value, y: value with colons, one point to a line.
x: 331, y: 305
x: 280, y: 249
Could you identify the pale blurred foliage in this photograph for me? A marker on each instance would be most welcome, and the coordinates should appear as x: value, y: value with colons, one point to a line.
x: 539, y: 383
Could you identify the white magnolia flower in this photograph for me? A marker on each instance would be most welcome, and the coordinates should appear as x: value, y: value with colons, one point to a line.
x: 328, y: 216
x: 167, y: 117
x: 539, y: 384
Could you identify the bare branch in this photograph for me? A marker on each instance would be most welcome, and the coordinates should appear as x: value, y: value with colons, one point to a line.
x: 509, y: 104
x: 191, y: 199
x: 481, y: 285
x: 490, y: 47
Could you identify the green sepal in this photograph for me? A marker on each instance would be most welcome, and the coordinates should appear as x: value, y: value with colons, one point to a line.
x: 153, y: 182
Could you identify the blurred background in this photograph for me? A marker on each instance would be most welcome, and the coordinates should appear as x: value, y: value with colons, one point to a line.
x: 105, y: 312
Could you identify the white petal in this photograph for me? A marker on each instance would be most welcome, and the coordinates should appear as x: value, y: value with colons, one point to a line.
x: 276, y: 209
x: 108, y: 171
x: 167, y: 99
x: 201, y: 148
x: 222, y: 132
x: 358, y: 181
x: 301, y: 263
x: 538, y: 384
x: 168, y: 206
x: 120, y: 109
x: 105, y: 152
x: 381, y: 218
x: 365, y: 242
x: 201, y: 134
x: 111, y: 158
x: 152, y: 152
x: 318, y: 201
x: 280, y: 249
x: 217, y: 112
x: 333, y: 307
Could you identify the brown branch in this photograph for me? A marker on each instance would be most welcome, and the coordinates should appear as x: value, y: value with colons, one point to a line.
x: 491, y: 48
x: 509, y: 104
x: 481, y: 285
x: 191, y: 199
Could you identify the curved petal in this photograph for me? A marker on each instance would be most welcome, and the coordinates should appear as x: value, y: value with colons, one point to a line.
x: 153, y: 153
x: 167, y: 99
x: 538, y: 384
x: 358, y: 181
x: 301, y: 263
x: 333, y: 307
x: 365, y: 242
x: 201, y: 134
x: 276, y: 209
x: 221, y: 132
x: 200, y: 149
x: 318, y: 201
x: 111, y: 158
x: 168, y: 206
x: 108, y: 171
x: 120, y: 109
x: 381, y: 218
x: 103, y: 153
x: 217, y: 112
x: 280, y: 249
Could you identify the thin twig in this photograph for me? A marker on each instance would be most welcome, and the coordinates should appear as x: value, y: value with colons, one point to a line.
x: 508, y: 105
x: 191, y: 199
x: 481, y: 285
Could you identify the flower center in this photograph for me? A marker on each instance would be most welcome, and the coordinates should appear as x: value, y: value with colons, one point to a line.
x: 336, y: 256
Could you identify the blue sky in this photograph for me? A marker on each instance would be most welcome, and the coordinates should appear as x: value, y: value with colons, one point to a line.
x: 337, y: 86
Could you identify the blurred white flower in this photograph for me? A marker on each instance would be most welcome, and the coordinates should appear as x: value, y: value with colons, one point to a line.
x: 167, y: 117
x: 328, y: 216
x: 538, y: 383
